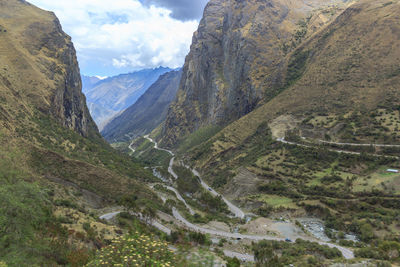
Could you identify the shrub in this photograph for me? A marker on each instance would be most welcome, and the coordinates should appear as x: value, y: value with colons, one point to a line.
x: 274, y: 253
x: 135, y: 250
x: 330, y: 179
x: 233, y: 262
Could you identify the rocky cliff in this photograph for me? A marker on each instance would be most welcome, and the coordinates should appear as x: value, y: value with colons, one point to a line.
x: 147, y: 113
x: 342, y: 85
x: 50, y: 145
x: 237, y: 59
x: 39, y: 66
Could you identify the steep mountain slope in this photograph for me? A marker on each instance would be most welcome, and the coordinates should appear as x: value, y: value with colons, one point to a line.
x: 101, y: 114
x: 117, y: 93
x: 338, y: 73
x: 54, y: 166
x: 147, y: 113
x: 88, y: 82
x: 47, y: 65
x: 236, y: 60
x: 340, y: 84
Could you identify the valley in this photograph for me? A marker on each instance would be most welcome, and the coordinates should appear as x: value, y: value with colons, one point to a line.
x: 307, y: 157
x: 276, y: 144
x: 236, y: 211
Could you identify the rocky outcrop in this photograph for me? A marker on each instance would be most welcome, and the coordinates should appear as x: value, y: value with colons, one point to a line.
x: 348, y: 71
x: 68, y: 101
x: 235, y: 62
x: 147, y: 113
x: 38, y: 59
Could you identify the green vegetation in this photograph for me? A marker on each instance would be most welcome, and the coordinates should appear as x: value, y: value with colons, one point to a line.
x: 233, y: 262
x: 351, y: 193
x: 135, y: 250
x: 146, y: 250
x: 186, y: 237
x: 274, y: 253
x: 41, y: 164
x: 50, y: 135
x: 201, y: 199
x: 198, y: 137
x: 145, y: 152
x: 187, y: 182
x: 24, y: 212
x: 296, y: 66
x: 382, y: 250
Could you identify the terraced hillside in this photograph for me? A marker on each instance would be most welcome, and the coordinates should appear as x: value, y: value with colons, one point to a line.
x: 340, y: 84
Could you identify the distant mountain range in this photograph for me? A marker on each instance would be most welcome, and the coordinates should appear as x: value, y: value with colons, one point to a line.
x: 108, y: 97
x: 88, y: 82
x: 147, y: 113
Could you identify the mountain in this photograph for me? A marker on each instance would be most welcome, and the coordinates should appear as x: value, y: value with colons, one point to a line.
x: 237, y: 58
x: 312, y: 145
x: 56, y: 171
x: 114, y: 94
x: 88, y: 82
x: 333, y: 79
x: 45, y: 57
x: 101, y: 114
x: 147, y: 113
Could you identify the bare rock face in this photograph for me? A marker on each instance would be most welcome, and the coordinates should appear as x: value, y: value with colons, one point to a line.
x: 235, y: 62
x: 39, y: 60
x: 68, y: 101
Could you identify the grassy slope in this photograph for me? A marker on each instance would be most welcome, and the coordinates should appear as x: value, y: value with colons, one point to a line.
x: 337, y: 74
x: 37, y: 150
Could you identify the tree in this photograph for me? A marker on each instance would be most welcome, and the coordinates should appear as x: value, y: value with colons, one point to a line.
x: 129, y: 202
x: 149, y: 213
x: 233, y: 262
x: 264, y: 255
x: 367, y: 232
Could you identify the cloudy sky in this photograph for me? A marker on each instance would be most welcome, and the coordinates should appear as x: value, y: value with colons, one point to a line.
x: 120, y: 36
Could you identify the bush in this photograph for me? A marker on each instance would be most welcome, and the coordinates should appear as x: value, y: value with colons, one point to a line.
x: 135, y: 250
x: 330, y: 179
x: 384, y: 250
x: 274, y: 253
x: 233, y: 262
x: 187, y: 182
x: 23, y: 212
x: 367, y: 232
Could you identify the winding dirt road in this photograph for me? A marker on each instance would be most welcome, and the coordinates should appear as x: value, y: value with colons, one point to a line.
x: 347, y: 253
x: 282, y: 140
x: 159, y: 226
x: 181, y: 199
x: 355, y: 144
x: 131, y: 148
x: 234, y: 209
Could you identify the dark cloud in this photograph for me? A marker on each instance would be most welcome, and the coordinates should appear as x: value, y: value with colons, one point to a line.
x: 181, y: 9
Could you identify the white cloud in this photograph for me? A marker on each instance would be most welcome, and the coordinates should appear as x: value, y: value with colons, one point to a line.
x: 122, y: 33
